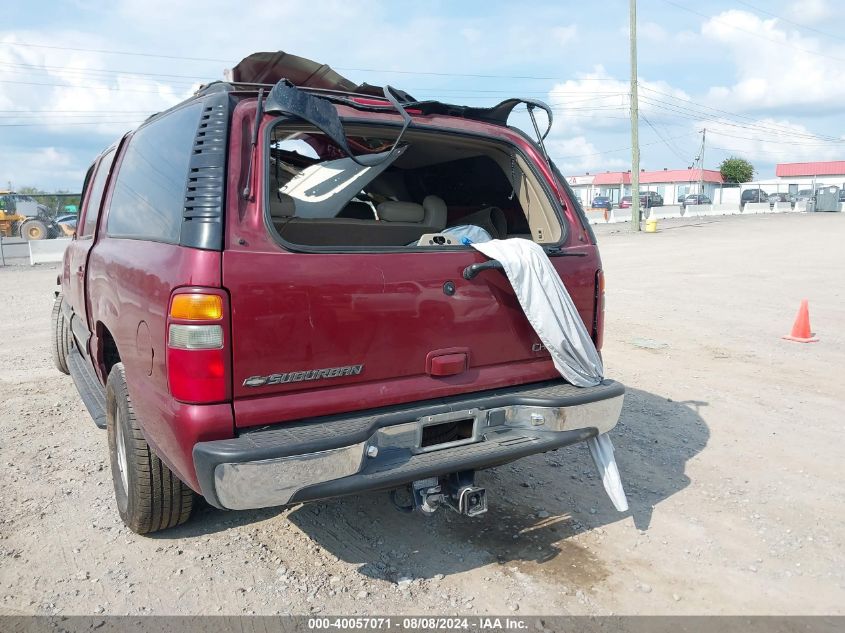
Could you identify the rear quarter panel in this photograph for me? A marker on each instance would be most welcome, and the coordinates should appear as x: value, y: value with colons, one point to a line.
x: 130, y: 282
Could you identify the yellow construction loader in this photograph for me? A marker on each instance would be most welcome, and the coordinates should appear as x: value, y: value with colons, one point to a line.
x: 22, y: 216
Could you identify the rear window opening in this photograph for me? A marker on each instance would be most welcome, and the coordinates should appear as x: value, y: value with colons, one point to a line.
x: 435, y: 190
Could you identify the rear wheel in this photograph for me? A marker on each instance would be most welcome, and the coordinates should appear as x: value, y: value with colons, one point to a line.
x: 62, y: 337
x: 34, y: 230
x: 149, y: 496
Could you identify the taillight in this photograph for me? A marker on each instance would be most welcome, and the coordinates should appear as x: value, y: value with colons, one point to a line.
x: 598, y: 313
x: 197, y: 346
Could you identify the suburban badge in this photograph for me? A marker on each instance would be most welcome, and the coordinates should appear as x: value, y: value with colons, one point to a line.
x: 302, y: 376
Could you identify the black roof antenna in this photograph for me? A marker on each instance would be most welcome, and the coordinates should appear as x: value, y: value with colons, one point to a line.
x: 259, y: 112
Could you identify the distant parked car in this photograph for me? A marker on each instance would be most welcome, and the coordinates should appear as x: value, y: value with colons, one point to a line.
x: 697, y: 198
x: 842, y: 195
x: 647, y: 199
x: 651, y: 199
x: 67, y: 223
x: 602, y: 202
x: 753, y: 195
x: 804, y: 194
x: 780, y: 197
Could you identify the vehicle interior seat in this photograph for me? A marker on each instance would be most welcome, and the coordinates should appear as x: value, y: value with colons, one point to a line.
x: 399, y: 224
x: 356, y: 209
x: 431, y: 214
x: 491, y: 219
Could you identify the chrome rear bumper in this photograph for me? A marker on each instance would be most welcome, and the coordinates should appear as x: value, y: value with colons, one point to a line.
x: 243, y: 473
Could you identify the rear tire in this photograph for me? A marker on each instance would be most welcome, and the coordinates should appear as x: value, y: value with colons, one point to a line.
x: 62, y: 337
x: 34, y: 230
x: 149, y: 496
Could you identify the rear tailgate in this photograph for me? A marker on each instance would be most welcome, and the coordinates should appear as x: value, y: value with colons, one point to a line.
x: 316, y: 334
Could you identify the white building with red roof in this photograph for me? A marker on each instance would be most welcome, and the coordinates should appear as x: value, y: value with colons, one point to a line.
x: 672, y: 184
x: 795, y: 177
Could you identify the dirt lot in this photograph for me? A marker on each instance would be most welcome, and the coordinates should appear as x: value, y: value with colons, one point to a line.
x: 730, y: 446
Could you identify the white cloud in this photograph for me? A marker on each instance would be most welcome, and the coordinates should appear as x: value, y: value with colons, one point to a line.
x: 771, y: 140
x: 577, y: 155
x: 810, y: 11
x: 650, y: 31
x: 775, y: 67
x: 564, y: 34
x: 25, y: 168
x: 346, y: 35
x: 69, y: 90
x: 597, y: 100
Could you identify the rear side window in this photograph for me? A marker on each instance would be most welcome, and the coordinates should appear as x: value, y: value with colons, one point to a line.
x: 92, y: 209
x: 149, y: 193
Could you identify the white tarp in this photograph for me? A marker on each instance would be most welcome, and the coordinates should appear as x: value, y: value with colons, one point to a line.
x: 549, y: 308
x: 601, y: 449
x: 551, y: 312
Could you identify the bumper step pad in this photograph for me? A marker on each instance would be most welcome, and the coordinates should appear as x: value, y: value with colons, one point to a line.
x: 499, y: 448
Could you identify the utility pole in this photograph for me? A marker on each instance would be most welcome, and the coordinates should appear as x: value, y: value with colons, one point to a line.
x: 635, y: 125
x: 701, y: 165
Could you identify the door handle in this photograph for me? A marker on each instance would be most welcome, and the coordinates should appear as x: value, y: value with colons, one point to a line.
x: 473, y: 269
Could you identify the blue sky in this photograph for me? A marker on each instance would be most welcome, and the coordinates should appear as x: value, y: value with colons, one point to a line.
x: 766, y: 78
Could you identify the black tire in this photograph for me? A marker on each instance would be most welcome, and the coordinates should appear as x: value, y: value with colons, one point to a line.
x: 34, y: 230
x: 149, y: 497
x: 62, y: 337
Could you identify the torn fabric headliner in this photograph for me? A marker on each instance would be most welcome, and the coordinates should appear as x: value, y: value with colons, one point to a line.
x: 270, y: 68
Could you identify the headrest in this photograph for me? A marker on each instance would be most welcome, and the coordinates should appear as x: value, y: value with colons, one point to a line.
x: 435, y: 212
x: 281, y: 206
x: 391, y: 211
x: 491, y: 219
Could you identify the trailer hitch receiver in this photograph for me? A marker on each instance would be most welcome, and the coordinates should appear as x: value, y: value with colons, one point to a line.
x: 457, y: 492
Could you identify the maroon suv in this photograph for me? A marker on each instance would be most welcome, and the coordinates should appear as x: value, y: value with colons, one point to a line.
x: 271, y: 297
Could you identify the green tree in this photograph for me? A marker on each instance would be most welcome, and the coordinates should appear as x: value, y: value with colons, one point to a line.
x: 736, y: 170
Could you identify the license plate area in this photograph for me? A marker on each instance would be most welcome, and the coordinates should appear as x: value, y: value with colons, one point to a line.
x: 436, y: 432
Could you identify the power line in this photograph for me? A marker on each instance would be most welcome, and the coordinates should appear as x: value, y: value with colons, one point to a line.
x: 346, y: 68
x: 754, y: 33
x: 111, y: 88
x: 694, y: 114
x: 621, y: 149
x: 193, y: 79
x: 775, y: 142
x: 103, y: 70
x: 698, y: 116
x: 734, y: 115
x: 41, y: 112
x: 58, y: 124
x: 671, y: 147
x: 792, y: 22
x: 113, y: 52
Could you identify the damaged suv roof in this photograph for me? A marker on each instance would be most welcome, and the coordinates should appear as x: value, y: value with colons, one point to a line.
x: 267, y: 69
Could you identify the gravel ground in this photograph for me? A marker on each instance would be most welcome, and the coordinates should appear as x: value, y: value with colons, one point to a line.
x: 730, y: 447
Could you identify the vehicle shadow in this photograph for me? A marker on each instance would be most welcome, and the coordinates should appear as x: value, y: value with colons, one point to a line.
x: 535, y: 504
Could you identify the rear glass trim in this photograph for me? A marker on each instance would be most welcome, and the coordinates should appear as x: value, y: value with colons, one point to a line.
x: 303, y: 248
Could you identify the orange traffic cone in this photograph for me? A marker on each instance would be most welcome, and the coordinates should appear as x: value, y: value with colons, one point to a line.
x: 801, y: 328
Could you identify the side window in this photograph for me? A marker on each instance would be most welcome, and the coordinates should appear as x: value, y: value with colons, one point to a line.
x: 149, y: 192
x: 92, y: 209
